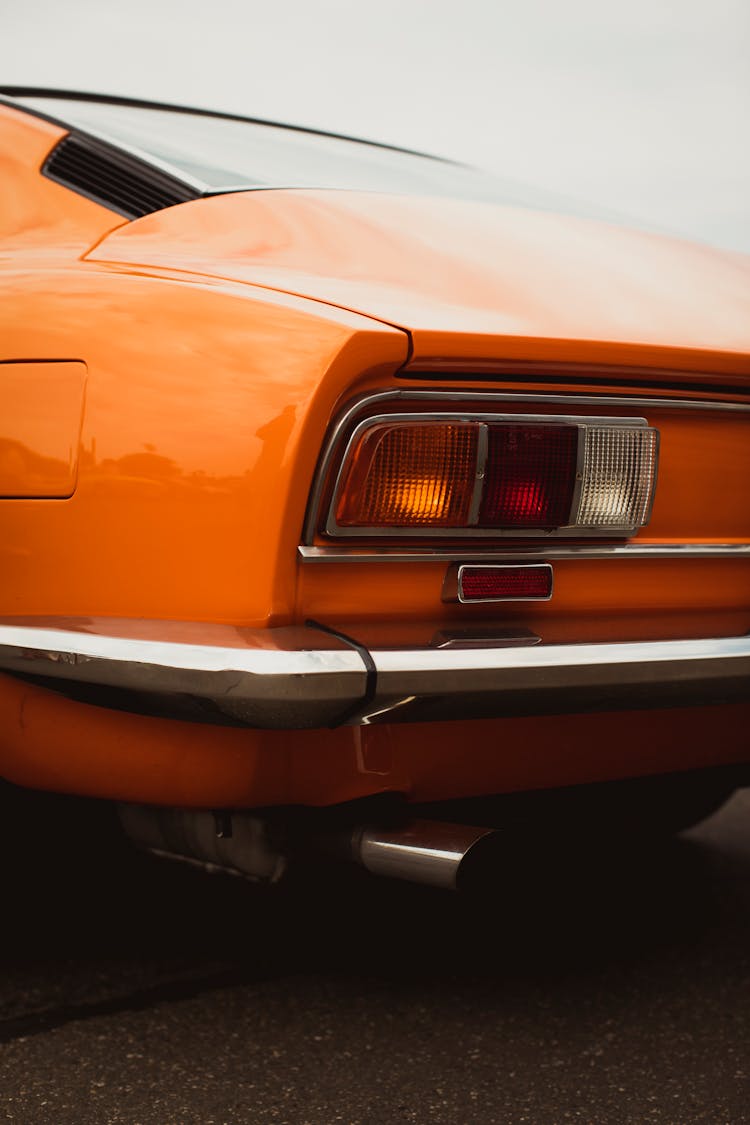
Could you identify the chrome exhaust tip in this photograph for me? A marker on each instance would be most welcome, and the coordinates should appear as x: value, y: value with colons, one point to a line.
x: 431, y: 852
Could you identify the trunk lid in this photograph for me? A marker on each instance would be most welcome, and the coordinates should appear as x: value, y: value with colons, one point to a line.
x: 471, y: 282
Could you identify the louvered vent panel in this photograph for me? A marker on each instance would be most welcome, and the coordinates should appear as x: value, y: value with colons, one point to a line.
x: 116, y: 179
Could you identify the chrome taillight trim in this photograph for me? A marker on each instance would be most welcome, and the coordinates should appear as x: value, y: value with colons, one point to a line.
x: 483, y: 446
x: 557, y: 552
x: 415, y: 394
x: 583, y: 423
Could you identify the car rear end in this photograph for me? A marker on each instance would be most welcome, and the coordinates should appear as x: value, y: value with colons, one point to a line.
x: 379, y: 498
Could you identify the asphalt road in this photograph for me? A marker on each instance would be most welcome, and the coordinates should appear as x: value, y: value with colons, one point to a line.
x: 588, y: 986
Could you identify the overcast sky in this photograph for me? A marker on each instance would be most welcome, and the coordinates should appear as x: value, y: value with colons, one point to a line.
x: 642, y: 106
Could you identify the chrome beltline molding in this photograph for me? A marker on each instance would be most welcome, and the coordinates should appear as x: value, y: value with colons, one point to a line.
x: 557, y: 552
x: 570, y: 398
x: 294, y: 678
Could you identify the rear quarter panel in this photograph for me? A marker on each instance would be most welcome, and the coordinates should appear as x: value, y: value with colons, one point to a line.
x: 202, y: 423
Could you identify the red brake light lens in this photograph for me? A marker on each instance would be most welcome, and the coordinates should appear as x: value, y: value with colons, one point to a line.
x: 530, y: 476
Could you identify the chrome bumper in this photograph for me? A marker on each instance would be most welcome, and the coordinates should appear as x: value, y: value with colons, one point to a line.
x: 301, y: 677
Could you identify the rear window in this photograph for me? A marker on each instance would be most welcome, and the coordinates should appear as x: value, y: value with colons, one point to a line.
x: 219, y: 154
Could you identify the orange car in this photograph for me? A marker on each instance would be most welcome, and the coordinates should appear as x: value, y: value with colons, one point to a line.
x: 334, y: 475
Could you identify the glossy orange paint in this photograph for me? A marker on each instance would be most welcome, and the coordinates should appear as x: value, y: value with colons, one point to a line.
x: 596, y: 599
x: 40, y: 428
x: 48, y: 742
x: 220, y: 337
x: 470, y: 281
x: 204, y: 412
x: 40, y: 220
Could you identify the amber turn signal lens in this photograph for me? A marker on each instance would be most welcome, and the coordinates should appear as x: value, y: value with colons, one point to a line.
x: 418, y: 474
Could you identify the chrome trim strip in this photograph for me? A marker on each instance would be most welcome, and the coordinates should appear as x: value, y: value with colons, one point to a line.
x: 640, y: 401
x: 575, y: 502
x: 557, y: 551
x: 284, y: 678
x: 655, y: 479
x: 483, y: 445
x: 627, y: 378
x: 435, y: 685
x: 480, y: 638
x: 294, y: 678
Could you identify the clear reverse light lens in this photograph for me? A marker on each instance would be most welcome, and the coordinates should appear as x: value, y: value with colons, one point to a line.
x: 619, y: 471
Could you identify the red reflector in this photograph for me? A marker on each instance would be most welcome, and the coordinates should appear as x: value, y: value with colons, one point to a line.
x: 530, y: 476
x: 504, y: 583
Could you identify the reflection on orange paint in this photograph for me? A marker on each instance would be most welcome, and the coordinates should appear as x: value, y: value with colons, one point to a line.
x: 39, y: 217
x: 473, y: 283
x: 201, y: 433
x: 40, y: 426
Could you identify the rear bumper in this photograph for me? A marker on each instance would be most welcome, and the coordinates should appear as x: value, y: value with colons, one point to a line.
x: 305, y: 677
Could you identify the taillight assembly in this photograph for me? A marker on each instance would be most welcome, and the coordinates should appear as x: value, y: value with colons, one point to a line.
x: 405, y: 474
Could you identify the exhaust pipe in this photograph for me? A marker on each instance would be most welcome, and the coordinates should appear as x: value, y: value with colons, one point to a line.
x: 430, y: 852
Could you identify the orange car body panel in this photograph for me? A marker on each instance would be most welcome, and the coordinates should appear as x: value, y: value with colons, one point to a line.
x: 40, y: 430
x: 39, y: 217
x: 219, y: 338
x: 471, y: 282
x: 136, y: 758
x: 177, y: 474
